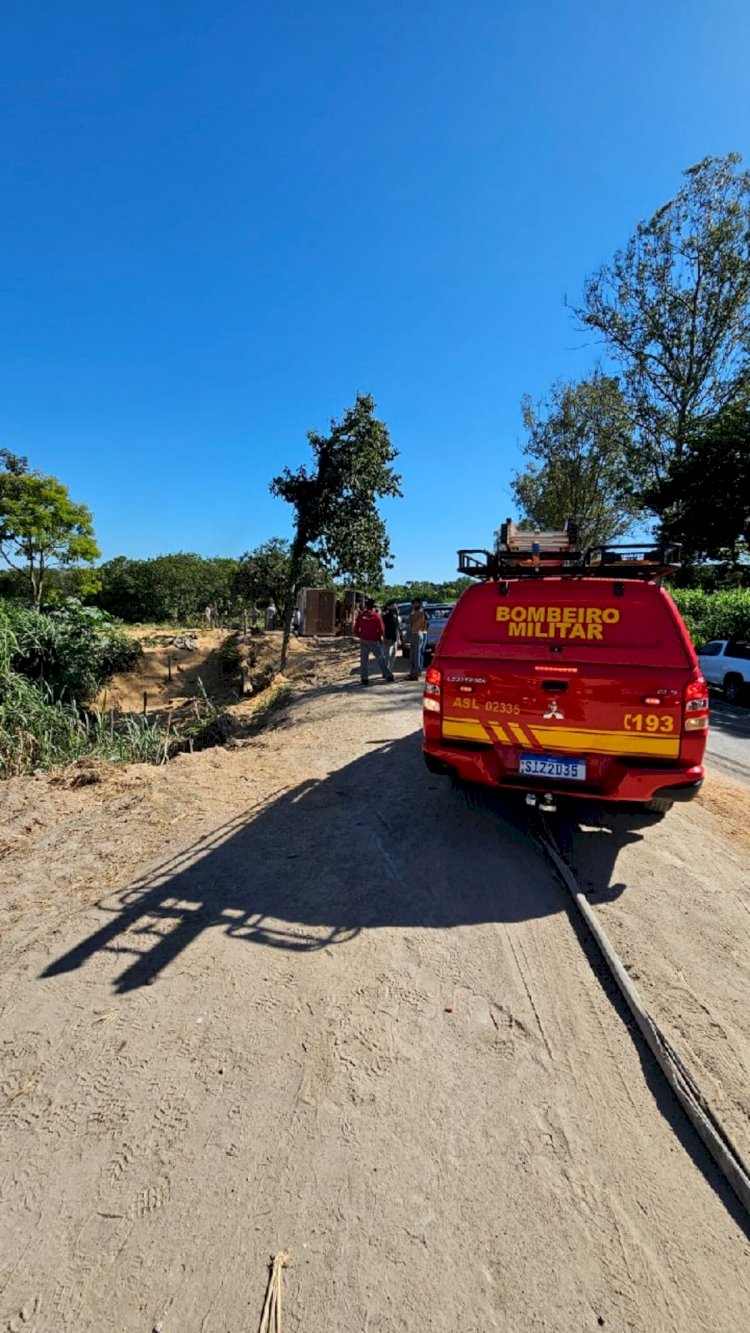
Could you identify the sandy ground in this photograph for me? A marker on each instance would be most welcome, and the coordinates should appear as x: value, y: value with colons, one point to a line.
x: 301, y: 994
x: 176, y: 667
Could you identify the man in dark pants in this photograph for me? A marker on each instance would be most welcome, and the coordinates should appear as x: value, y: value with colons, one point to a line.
x: 390, y: 621
x: 370, y: 631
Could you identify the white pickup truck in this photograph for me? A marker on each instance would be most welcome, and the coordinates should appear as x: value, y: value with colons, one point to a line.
x: 726, y: 663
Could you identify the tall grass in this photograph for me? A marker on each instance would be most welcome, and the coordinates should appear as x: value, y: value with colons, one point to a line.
x: 39, y: 731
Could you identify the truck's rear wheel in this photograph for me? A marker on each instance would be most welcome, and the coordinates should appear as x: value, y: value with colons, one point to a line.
x: 659, y: 806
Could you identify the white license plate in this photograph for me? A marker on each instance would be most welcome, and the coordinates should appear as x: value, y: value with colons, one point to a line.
x: 552, y: 766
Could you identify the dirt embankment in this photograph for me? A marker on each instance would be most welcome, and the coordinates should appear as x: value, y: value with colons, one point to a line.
x: 234, y: 671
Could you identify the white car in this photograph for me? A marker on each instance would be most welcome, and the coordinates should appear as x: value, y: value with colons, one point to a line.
x: 726, y: 663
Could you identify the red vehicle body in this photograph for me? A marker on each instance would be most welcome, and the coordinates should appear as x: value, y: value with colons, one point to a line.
x: 591, y: 681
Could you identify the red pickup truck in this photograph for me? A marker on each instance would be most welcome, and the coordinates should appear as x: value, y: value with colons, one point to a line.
x: 568, y: 677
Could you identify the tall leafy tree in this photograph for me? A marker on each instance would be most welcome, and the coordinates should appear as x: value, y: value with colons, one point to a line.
x: 705, y: 498
x: 673, y: 308
x: 41, y: 527
x: 580, y: 443
x: 335, y: 502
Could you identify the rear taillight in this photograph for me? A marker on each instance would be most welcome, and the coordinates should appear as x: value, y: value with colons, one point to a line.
x: 433, y: 681
x: 696, y: 705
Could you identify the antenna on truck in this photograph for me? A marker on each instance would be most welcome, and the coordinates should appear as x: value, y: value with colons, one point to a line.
x: 533, y: 553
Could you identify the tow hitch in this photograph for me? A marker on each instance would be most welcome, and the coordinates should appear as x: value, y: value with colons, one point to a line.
x: 545, y: 803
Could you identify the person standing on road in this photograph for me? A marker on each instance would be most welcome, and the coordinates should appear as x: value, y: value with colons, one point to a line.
x: 390, y: 621
x: 370, y: 630
x: 418, y: 623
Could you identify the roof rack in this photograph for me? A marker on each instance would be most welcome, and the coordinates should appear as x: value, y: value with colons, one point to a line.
x: 632, y: 561
x: 534, y: 554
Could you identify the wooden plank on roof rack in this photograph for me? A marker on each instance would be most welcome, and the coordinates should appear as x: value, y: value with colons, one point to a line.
x: 522, y: 539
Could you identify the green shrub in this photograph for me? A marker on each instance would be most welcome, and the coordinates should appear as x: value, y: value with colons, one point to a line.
x: 34, y: 730
x: 715, y: 615
x: 39, y: 731
x: 71, y: 651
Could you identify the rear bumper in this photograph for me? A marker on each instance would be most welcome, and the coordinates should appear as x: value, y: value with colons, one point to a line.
x: 684, y: 791
x: 609, y: 778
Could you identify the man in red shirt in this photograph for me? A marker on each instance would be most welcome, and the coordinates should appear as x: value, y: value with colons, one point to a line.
x: 370, y: 630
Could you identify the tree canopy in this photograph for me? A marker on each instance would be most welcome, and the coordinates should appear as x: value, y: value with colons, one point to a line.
x: 673, y: 308
x: 449, y: 591
x: 41, y: 527
x: 580, y: 441
x: 705, y: 498
x: 262, y: 575
x: 335, y: 502
x: 167, y: 588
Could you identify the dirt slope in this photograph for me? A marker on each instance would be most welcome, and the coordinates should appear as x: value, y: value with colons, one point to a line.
x: 301, y: 994
x: 176, y: 667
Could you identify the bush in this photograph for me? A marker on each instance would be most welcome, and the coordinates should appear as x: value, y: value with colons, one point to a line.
x: 70, y: 652
x: 716, y: 615
x: 34, y: 731
x: 38, y: 730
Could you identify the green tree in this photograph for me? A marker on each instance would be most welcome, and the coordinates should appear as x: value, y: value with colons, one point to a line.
x: 263, y: 575
x: 705, y: 498
x: 580, y: 441
x: 41, y: 528
x: 172, y: 588
x: 335, y: 503
x: 128, y: 590
x: 449, y: 591
x: 673, y: 308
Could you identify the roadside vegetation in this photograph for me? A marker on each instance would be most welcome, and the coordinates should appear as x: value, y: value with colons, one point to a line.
x: 52, y: 666
x: 714, y: 615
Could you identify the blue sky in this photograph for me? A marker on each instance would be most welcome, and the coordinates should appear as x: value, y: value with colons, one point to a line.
x: 221, y: 221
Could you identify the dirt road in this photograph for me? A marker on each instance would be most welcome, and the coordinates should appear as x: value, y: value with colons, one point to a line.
x: 303, y: 995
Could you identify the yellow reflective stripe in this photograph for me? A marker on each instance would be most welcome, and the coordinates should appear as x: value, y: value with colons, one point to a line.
x: 464, y: 730
x: 575, y: 739
x: 606, y: 742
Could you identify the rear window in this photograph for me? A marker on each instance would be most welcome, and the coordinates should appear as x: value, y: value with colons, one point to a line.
x: 575, y: 618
